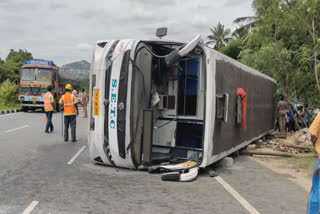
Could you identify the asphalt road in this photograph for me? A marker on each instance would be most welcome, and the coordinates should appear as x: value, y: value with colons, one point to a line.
x: 35, y: 177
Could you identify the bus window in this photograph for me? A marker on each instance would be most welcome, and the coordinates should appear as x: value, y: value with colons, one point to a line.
x: 27, y: 74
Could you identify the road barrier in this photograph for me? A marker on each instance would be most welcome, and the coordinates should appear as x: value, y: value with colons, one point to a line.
x: 10, y: 111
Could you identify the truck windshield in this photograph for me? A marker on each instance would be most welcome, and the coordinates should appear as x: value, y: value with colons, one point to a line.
x: 44, y: 75
x: 27, y: 74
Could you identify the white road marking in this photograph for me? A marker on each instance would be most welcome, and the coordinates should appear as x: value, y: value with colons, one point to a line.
x: 10, y: 114
x: 30, y: 207
x: 237, y: 196
x: 11, y: 130
x: 76, y: 155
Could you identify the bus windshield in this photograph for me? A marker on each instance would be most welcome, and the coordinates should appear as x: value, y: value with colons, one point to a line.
x: 27, y: 74
x: 44, y: 75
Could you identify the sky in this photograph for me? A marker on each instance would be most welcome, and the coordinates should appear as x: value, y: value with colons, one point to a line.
x: 66, y: 31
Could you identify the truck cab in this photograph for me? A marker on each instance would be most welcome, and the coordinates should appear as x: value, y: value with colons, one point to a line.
x: 35, y: 76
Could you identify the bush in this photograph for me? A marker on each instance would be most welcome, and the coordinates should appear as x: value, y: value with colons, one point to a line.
x: 8, y: 93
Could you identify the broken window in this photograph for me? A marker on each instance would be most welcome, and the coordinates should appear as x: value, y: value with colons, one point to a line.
x: 188, y: 87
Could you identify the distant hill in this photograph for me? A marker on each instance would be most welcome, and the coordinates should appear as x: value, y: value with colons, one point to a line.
x: 79, y: 70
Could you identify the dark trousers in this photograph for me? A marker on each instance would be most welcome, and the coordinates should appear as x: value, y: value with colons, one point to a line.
x: 292, y: 126
x: 314, y: 205
x: 49, y: 121
x: 70, y: 120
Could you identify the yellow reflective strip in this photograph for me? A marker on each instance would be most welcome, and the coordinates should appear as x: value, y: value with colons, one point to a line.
x: 69, y: 114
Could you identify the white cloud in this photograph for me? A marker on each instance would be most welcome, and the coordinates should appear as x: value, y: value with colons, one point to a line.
x: 65, y: 31
x: 55, y: 5
x: 233, y: 3
x: 200, y: 21
x: 84, y: 46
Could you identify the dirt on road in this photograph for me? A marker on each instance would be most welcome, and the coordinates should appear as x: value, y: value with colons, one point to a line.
x: 299, y: 168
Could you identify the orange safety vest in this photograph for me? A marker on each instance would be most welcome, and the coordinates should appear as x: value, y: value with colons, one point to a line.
x: 68, y: 103
x: 47, y: 101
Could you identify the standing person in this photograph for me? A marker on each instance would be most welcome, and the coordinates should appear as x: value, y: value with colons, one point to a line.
x: 69, y: 102
x: 307, y: 115
x: 300, y: 115
x: 292, y: 121
x: 282, y: 111
x: 75, y: 92
x: 314, y: 200
x: 85, y: 102
x: 49, y: 108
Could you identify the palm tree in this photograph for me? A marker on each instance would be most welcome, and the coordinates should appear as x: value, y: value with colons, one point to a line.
x: 247, y: 23
x: 220, y: 36
x: 240, y: 33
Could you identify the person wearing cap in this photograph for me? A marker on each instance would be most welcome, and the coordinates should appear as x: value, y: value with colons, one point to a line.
x: 49, y: 108
x: 69, y: 102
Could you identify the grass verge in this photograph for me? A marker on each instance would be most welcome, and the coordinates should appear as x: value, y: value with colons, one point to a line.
x: 306, y: 163
x: 15, y: 106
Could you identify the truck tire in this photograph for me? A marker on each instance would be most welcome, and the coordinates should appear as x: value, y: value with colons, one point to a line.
x: 25, y: 109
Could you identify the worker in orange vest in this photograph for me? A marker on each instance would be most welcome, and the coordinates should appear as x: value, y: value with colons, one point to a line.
x: 69, y: 102
x: 49, y: 108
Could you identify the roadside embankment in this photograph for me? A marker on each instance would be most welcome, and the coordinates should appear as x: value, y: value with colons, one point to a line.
x: 293, y: 157
x: 9, y: 109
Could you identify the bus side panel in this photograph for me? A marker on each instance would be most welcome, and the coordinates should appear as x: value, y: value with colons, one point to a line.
x: 260, y: 112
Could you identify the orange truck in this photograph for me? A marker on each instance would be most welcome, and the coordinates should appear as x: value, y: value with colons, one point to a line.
x: 35, y: 76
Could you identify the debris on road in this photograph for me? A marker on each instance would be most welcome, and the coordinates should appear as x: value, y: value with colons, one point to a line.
x: 295, y: 145
x: 186, y: 171
x: 282, y: 154
x: 212, y: 173
x: 226, y: 162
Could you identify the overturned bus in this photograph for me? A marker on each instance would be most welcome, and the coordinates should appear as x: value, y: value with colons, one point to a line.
x: 156, y: 101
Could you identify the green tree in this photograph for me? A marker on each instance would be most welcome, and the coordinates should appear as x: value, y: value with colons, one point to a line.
x: 247, y: 23
x: 284, y: 45
x: 8, y: 93
x: 219, y: 36
x: 233, y: 49
x: 10, y: 68
x: 310, y: 12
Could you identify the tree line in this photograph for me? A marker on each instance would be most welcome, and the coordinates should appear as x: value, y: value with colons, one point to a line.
x: 9, y: 75
x: 282, y: 41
